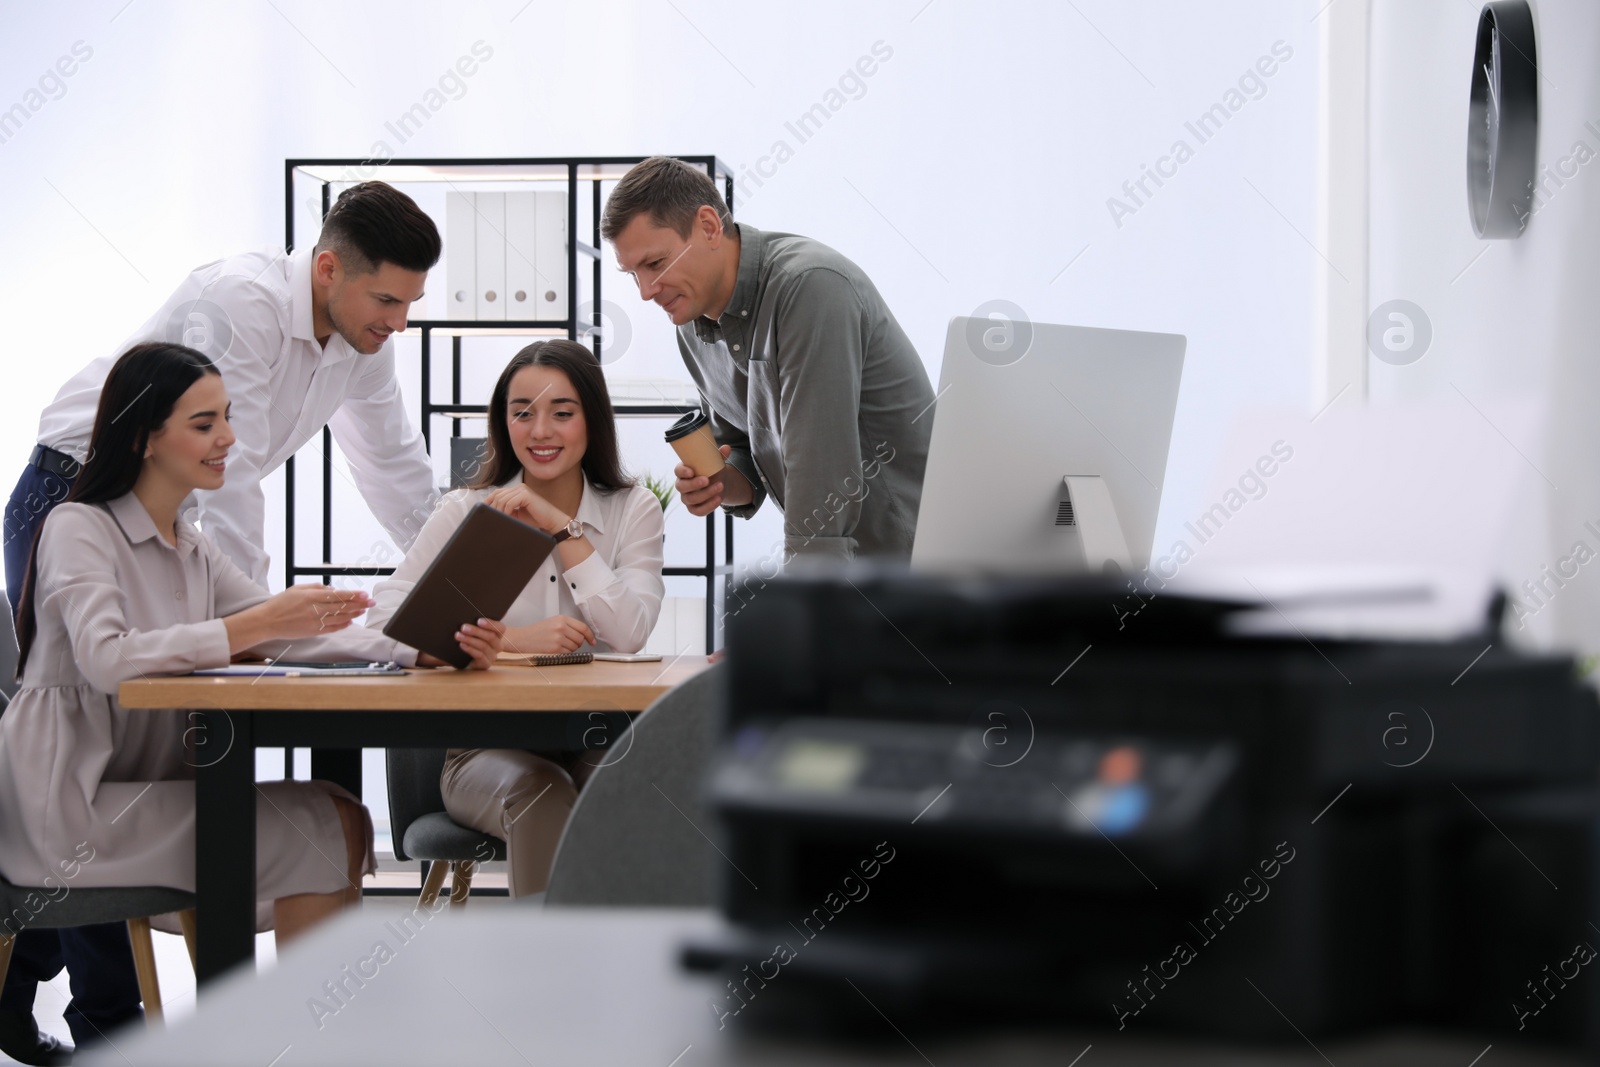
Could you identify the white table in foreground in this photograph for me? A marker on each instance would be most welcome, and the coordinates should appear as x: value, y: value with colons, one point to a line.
x: 571, y: 987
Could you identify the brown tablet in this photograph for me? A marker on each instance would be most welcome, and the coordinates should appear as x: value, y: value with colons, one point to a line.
x: 481, y: 571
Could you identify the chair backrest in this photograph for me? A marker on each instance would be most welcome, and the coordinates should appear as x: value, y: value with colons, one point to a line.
x: 413, y: 775
x: 467, y: 455
x: 636, y: 835
x: 8, y: 659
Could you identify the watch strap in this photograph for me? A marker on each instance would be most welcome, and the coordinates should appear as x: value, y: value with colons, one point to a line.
x: 572, y: 529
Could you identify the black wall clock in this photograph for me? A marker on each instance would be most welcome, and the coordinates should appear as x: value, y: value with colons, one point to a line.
x: 1503, y: 125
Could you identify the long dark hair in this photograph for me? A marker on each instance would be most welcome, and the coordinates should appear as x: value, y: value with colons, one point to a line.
x: 137, y: 399
x: 601, y: 459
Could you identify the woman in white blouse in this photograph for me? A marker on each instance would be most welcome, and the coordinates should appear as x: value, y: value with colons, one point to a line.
x: 553, y: 463
x: 120, y: 587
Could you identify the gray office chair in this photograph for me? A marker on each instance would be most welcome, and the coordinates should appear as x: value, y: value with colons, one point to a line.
x: 636, y: 836
x: 9, y: 653
x: 49, y: 908
x: 423, y: 830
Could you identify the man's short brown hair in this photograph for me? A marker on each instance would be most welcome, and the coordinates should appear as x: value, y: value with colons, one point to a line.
x: 374, y: 223
x: 670, y: 190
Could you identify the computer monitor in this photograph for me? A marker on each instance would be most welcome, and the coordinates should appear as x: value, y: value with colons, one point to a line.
x: 1049, y: 448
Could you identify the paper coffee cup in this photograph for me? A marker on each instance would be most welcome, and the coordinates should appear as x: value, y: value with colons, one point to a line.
x: 691, y: 438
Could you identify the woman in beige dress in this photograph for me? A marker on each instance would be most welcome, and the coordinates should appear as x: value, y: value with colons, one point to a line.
x: 118, y: 588
x: 553, y: 463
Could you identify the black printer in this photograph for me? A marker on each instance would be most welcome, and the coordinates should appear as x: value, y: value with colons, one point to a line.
x: 1005, y: 799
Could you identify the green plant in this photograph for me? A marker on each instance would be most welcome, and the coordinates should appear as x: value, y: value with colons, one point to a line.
x: 660, y: 487
x: 1588, y: 664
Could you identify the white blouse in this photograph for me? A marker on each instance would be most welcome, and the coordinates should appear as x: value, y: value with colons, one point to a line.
x: 617, y: 590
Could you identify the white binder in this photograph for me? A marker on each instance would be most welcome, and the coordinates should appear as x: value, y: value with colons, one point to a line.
x: 523, y: 285
x: 491, y: 228
x: 460, y: 256
x: 551, y: 256
x: 506, y: 256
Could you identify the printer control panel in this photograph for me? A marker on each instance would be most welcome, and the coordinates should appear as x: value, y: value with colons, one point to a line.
x: 972, y: 776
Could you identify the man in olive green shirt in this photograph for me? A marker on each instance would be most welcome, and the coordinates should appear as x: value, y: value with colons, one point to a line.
x: 816, y: 395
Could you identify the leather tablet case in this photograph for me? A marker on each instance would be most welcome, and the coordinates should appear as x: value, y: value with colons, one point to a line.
x: 479, y: 574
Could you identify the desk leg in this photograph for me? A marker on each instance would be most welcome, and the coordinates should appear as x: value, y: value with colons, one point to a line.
x: 225, y: 844
x: 341, y: 766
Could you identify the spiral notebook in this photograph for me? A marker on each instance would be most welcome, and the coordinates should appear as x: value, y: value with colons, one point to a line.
x: 544, y: 659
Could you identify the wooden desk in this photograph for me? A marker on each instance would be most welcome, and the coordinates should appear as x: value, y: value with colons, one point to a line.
x: 577, y: 707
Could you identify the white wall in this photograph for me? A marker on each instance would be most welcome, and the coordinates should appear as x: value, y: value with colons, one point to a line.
x: 976, y: 164
x: 1509, y: 318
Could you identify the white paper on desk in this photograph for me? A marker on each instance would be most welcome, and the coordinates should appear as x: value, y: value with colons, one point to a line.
x: 1375, y: 521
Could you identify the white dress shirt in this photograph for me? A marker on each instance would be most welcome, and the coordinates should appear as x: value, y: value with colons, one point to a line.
x: 284, y: 388
x: 617, y: 590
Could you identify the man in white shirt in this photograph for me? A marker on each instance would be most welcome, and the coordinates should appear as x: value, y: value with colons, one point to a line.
x: 302, y: 341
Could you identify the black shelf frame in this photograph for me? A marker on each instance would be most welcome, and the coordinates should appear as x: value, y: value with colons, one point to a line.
x: 325, y: 567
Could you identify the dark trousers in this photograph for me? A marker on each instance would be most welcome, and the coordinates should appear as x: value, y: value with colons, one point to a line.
x: 36, y: 495
x: 99, y: 963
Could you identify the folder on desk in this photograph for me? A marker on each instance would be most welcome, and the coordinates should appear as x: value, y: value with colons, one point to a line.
x: 299, y: 669
x: 483, y: 568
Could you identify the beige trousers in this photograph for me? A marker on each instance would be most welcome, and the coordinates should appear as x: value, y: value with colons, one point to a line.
x: 521, y: 797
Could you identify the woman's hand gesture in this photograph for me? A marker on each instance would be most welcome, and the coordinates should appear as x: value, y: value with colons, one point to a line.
x: 312, y: 610
x: 523, y: 503
x: 298, y: 612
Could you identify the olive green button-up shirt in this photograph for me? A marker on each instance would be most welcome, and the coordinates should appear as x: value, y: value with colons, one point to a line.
x: 821, y: 396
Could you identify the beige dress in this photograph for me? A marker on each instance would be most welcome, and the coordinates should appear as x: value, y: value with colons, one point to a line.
x: 92, y: 794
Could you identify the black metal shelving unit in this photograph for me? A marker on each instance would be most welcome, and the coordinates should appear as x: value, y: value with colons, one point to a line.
x: 572, y: 170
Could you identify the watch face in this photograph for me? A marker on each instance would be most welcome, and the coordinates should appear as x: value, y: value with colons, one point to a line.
x: 1503, y: 121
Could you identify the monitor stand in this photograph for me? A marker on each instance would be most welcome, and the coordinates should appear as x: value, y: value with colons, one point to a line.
x: 1105, y: 548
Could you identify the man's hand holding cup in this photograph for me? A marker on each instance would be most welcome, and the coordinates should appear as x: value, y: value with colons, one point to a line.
x: 705, y: 481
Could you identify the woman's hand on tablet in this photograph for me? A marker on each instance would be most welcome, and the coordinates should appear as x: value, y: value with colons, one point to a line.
x: 523, y: 503
x: 482, y: 642
x: 559, y: 633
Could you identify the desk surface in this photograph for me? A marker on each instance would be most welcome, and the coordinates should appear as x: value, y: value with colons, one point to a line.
x: 612, y: 686
x: 514, y: 985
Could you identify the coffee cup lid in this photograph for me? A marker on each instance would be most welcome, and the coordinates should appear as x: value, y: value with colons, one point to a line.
x: 687, y: 425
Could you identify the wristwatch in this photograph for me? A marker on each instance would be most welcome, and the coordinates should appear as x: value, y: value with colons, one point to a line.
x: 574, y: 528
